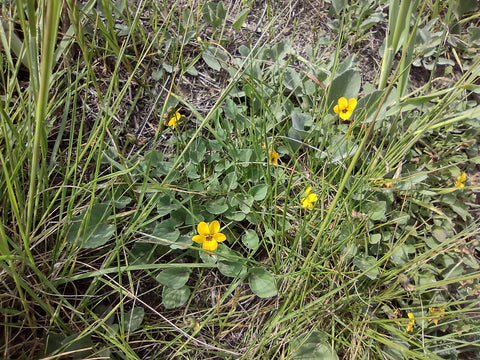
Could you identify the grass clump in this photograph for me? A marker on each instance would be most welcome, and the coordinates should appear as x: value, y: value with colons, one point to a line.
x: 230, y: 180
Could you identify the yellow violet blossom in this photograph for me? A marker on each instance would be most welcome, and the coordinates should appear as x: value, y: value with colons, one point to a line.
x: 174, y: 119
x: 345, y: 108
x: 309, y: 199
x: 411, y: 324
x: 209, y: 235
x: 460, y: 180
x: 274, y: 157
x: 437, y: 313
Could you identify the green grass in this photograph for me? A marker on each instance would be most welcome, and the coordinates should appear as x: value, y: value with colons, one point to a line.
x: 100, y: 198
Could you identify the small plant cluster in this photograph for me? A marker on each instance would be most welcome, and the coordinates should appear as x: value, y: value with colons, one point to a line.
x: 302, y: 213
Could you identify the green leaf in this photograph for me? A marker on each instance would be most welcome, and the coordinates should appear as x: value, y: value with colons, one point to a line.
x: 217, y: 207
x: 211, y: 61
x: 230, y: 181
x: 259, y: 192
x: 165, y: 232
x: 301, y: 122
x: 122, y: 202
x: 232, y: 268
x: 94, y: 236
x: 133, y: 319
x: 214, y: 14
x: 315, y: 347
x: 244, y: 155
x: 379, y: 209
x: 246, y: 202
x: 400, y: 255
x: 214, y: 57
x: 234, y: 215
x: 368, y: 264
x: 348, y: 63
x: 192, y: 70
x: 75, y: 342
x: 182, y: 242
x: 174, y: 278
x: 242, y: 15
x: 99, y: 236
x: 262, y: 283
x: 165, y: 206
x: 250, y: 240
x: 465, y: 6
x: 174, y: 298
x: 345, y: 85
x: 460, y: 209
x: 474, y: 32
x: 339, y: 5
x: 140, y: 253
x: 207, y: 258
x: 411, y: 182
x: 370, y: 103
x: 375, y: 238
x: 340, y: 148
x: 292, y: 80
x: 440, y: 234
x: 197, y: 153
x: 280, y: 50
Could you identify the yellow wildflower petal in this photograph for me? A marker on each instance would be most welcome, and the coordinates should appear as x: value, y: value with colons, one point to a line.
x: 342, y: 103
x: 345, y: 114
x: 172, y: 123
x: 209, y: 244
x: 214, y: 227
x: 307, y: 204
x: 274, y: 157
x: 309, y: 199
x: 460, y: 180
x: 174, y: 119
x: 412, y: 322
x: 336, y: 109
x: 198, y: 238
x: 219, y: 237
x: 352, y: 103
x: 203, y: 229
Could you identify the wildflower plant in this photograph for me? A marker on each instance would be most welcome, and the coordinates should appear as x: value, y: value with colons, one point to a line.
x: 411, y: 322
x: 273, y: 157
x: 209, y: 235
x: 195, y: 241
x: 345, y: 107
x: 459, y: 183
x: 310, y: 199
x: 435, y: 314
x: 174, y: 119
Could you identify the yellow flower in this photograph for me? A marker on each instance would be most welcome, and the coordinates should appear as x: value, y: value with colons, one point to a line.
x: 274, y: 157
x: 345, y: 108
x: 460, y: 180
x: 437, y: 313
x: 209, y: 235
x: 309, y: 199
x: 174, y: 119
x: 412, y: 322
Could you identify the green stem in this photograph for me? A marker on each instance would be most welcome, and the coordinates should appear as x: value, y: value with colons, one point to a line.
x: 50, y: 28
x: 5, y: 253
x: 396, y: 27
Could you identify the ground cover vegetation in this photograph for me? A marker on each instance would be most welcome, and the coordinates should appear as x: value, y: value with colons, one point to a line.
x: 289, y: 179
